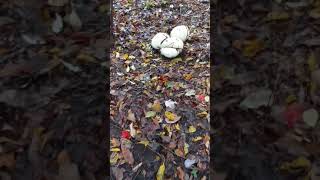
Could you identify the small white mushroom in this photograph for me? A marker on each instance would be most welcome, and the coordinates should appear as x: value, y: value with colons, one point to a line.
x: 170, y: 52
x: 182, y: 32
x: 172, y: 42
x: 158, y: 39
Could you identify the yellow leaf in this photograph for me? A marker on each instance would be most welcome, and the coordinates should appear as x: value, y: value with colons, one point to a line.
x: 170, y: 116
x: 103, y: 8
x: 186, y: 148
x: 125, y: 56
x: 156, y: 106
x: 86, y: 58
x: 277, y: 15
x: 115, y: 149
x: 145, y: 143
x: 299, y: 163
x: 290, y: 99
x: 192, y: 129
x: 160, y: 173
x: 187, y: 76
x: 198, y: 138
x: 202, y: 114
x: 177, y: 126
x: 252, y: 47
x: 312, y: 62
x: 114, y: 158
x: 315, y: 13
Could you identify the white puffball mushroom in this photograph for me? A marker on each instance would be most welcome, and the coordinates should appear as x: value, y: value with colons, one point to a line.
x: 158, y: 39
x: 172, y: 42
x: 182, y: 32
x: 170, y: 52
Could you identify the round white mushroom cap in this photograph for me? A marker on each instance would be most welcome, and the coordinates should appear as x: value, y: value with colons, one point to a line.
x: 170, y: 52
x: 182, y: 32
x: 158, y: 39
x: 172, y: 42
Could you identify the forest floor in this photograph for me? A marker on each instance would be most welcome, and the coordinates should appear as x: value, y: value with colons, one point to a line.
x: 52, y: 90
x: 159, y: 107
x: 266, y: 90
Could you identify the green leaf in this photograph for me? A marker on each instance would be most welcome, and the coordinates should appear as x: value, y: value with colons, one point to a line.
x: 150, y: 114
x: 194, y: 173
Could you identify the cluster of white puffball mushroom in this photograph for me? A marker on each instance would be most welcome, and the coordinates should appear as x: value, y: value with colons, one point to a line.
x: 171, y: 46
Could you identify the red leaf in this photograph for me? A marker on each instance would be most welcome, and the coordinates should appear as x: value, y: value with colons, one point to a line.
x: 125, y: 134
x: 293, y: 114
x: 201, y: 98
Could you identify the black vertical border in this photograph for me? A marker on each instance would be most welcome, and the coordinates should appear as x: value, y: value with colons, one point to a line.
x: 213, y: 33
x: 107, y: 115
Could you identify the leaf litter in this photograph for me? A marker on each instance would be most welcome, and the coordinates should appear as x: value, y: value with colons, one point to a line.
x: 163, y: 96
x: 266, y: 90
x: 52, y: 89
